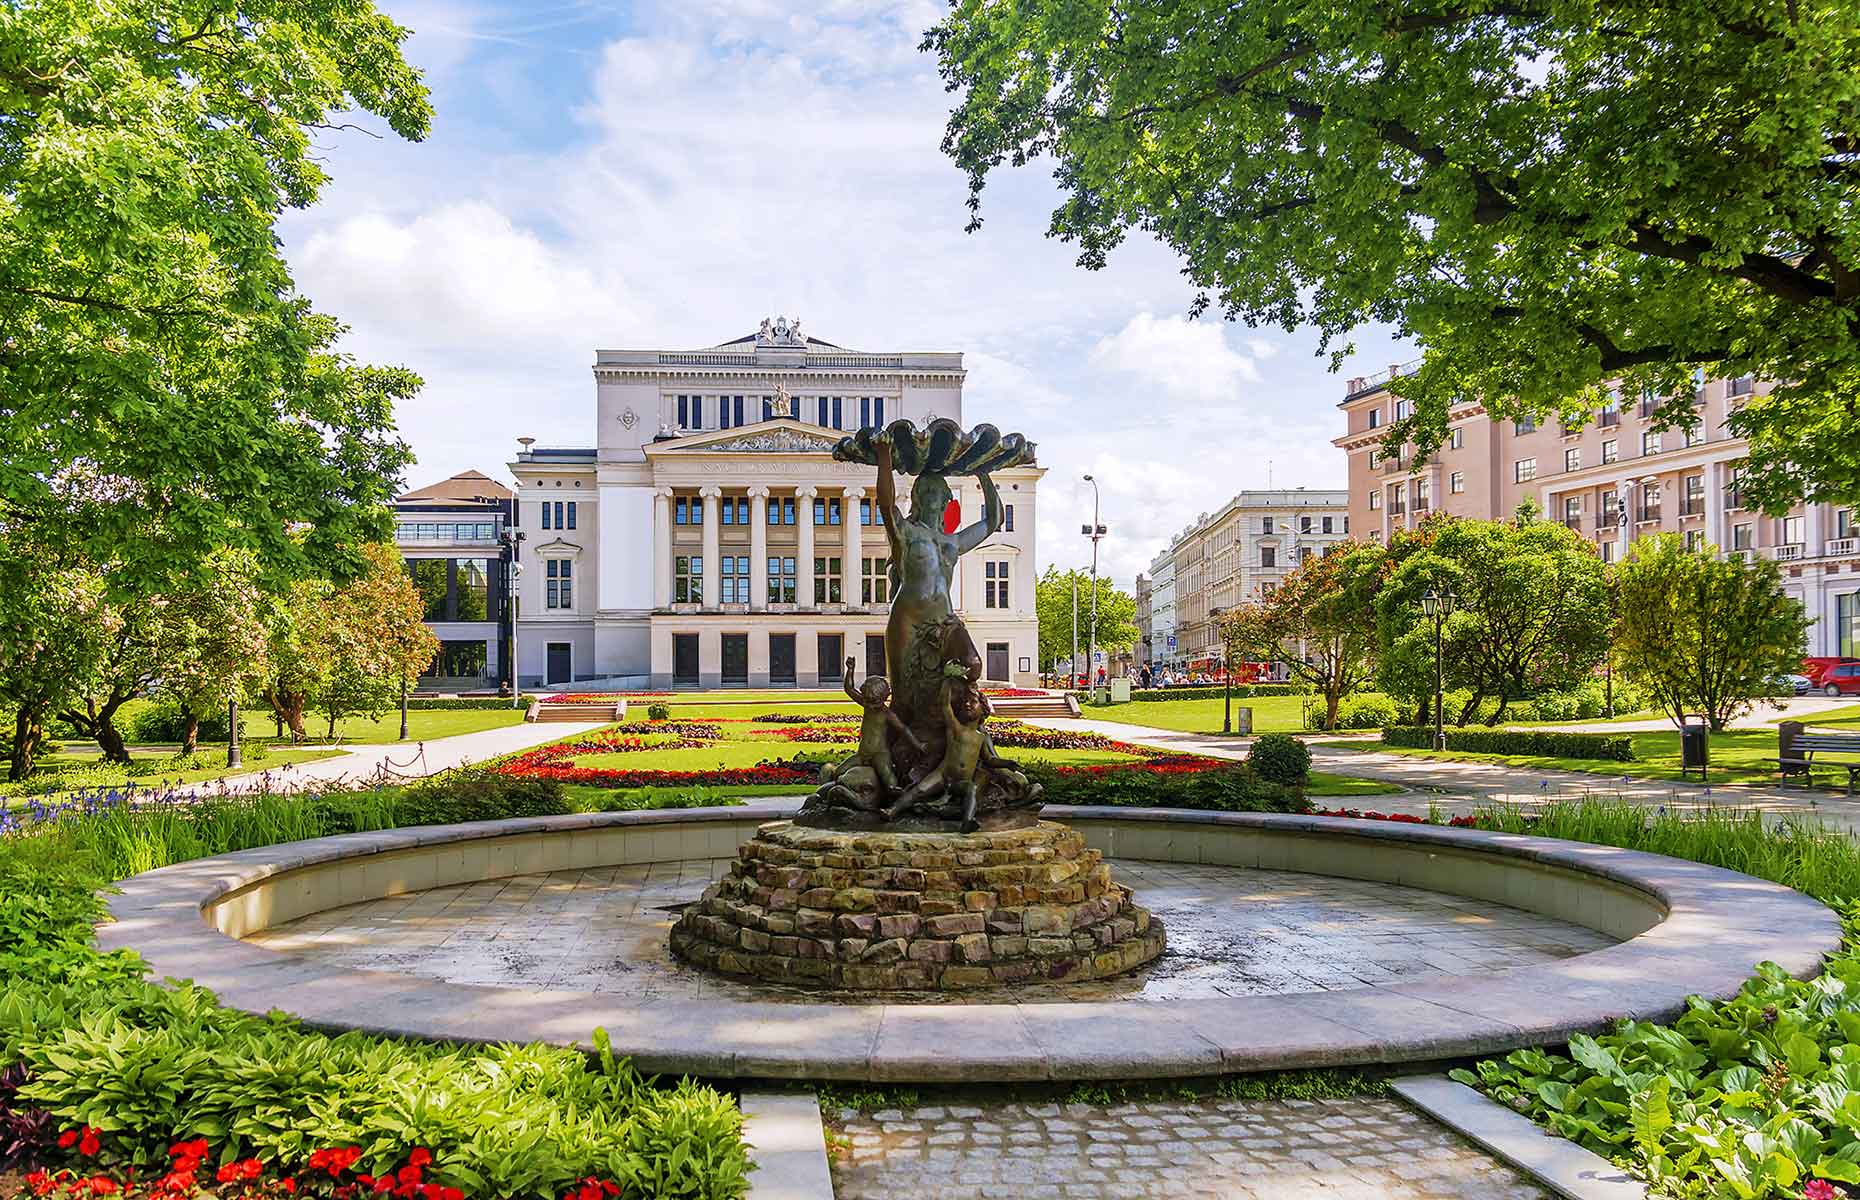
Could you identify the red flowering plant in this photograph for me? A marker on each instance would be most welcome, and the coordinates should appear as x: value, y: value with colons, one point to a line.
x: 1465, y: 822
x: 329, y: 1171
x: 825, y: 734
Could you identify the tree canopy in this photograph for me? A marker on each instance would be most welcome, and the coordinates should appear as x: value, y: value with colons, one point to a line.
x: 1319, y: 621
x: 1546, y: 194
x: 1052, y: 598
x: 164, y: 389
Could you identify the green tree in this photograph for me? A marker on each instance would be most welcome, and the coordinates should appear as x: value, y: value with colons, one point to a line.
x: 1530, y: 611
x: 1704, y: 634
x: 214, y: 644
x: 1546, y: 195
x: 1320, y: 622
x: 167, y: 390
x: 132, y: 638
x: 1052, y: 599
x: 55, y: 627
x: 379, y: 642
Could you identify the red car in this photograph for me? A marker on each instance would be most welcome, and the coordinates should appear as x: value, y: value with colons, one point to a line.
x: 1818, y: 666
x: 1842, y: 679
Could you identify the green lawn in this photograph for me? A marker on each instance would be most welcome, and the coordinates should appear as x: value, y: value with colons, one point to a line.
x: 822, y: 707
x: 747, y: 753
x: 1322, y: 783
x: 423, y: 724
x: 1835, y: 718
x: 70, y: 771
x: 1736, y: 756
x: 1271, y: 714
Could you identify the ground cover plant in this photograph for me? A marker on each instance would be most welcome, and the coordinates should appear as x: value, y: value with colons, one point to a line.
x: 1737, y: 756
x: 1611, y: 746
x: 112, y: 1078
x: 1754, y: 1097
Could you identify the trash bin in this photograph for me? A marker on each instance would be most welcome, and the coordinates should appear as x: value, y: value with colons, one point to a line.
x: 1243, y: 720
x: 1694, y: 746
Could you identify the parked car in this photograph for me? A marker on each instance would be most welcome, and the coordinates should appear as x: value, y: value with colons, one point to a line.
x: 1816, y: 667
x: 1842, y: 679
x: 1797, y: 685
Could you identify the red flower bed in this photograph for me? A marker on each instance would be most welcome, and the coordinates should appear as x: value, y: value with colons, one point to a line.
x: 808, y: 733
x: 1156, y: 764
x: 1013, y: 691
x: 582, y: 698
x: 1465, y: 822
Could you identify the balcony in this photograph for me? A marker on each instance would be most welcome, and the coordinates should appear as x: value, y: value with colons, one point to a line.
x: 1646, y: 408
x: 1609, y: 418
x: 430, y: 533
x: 1647, y: 516
x: 1842, y: 545
x: 1787, y: 552
x: 1692, y: 507
x: 1607, y: 521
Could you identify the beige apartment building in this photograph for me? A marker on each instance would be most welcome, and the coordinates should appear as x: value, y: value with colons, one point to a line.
x: 1613, y: 480
x: 1239, y: 553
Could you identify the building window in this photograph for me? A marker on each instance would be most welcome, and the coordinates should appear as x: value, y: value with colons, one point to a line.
x: 1423, y: 494
x: 1794, y: 531
x: 781, y: 511
x: 1572, y: 511
x: 829, y: 411
x: 1329, y: 524
x: 1847, y: 624
x: 1844, y: 523
x: 1695, y: 433
x: 827, y: 512
x: 1007, y: 518
x: 865, y: 512
x: 1268, y: 556
x: 826, y: 580
x: 781, y: 580
x: 687, y: 412
x: 1456, y: 482
x: 688, y: 579
x: 1375, y: 459
x: 1304, y: 524
x: 1650, y: 441
x: 1734, y: 491
x: 1523, y: 470
x: 1375, y: 418
x: 1743, y: 385
x: 1346, y: 524
x: 994, y: 584
x: 1608, y: 551
x: 734, y: 587
x: 1456, y: 438
x: 1572, y: 458
x: 1649, y: 502
x: 1694, y: 503
x: 571, y: 514
x: 875, y: 580
x: 1402, y: 409
x: 560, y: 584
x: 871, y: 410
x: 1611, y: 510
x: 1375, y: 500
x: 1265, y: 525
x: 1523, y: 426
x: 727, y: 513
x: 1743, y: 536
x: 729, y: 411
x: 1611, y: 450
x: 1695, y: 540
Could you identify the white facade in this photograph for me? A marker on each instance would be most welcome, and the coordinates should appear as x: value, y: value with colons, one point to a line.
x: 713, y: 540
x: 1162, y: 609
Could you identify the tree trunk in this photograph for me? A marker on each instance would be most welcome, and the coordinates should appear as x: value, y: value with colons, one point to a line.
x: 190, y: 733
x: 1498, y: 714
x: 98, y: 722
x: 331, y: 735
x: 25, y: 743
x: 111, y: 739
x: 1331, y: 700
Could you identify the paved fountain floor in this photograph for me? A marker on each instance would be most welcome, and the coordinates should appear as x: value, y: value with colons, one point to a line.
x: 1232, y: 932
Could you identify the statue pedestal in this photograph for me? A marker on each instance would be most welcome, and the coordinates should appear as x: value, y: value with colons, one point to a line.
x: 874, y: 911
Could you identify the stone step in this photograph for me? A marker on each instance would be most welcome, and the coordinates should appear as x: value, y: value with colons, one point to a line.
x: 579, y: 712
x: 1020, y: 708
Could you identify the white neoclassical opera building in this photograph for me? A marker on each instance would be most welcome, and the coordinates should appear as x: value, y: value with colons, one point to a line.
x: 709, y: 539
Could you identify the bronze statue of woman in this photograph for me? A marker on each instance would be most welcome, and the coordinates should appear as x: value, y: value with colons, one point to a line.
x: 924, y: 632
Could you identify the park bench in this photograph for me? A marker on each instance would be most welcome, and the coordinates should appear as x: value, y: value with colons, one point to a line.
x: 1798, y: 757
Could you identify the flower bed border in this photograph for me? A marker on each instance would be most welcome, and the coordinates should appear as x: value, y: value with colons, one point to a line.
x: 1716, y: 926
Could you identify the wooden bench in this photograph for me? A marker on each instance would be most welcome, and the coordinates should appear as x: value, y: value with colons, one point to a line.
x: 1799, y: 758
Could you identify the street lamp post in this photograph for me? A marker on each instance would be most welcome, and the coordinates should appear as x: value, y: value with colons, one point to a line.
x: 1227, y: 675
x: 1438, y: 606
x: 1094, y: 531
x: 234, y: 757
x: 512, y: 539
x: 1072, y: 666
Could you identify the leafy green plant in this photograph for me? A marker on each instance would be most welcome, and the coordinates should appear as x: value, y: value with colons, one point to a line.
x: 657, y: 711
x: 1280, y: 758
x: 1549, y: 743
x: 1370, y: 710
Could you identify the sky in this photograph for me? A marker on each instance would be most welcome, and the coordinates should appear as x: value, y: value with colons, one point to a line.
x: 666, y: 173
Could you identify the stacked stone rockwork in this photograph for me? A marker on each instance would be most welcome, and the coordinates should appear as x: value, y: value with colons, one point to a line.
x: 907, y: 912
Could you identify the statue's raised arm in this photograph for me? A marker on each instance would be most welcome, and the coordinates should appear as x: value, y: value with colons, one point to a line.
x: 993, y: 516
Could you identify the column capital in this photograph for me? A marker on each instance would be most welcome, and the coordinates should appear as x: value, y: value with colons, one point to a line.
x: 759, y: 492
x: 710, y: 491
x: 663, y: 491
x: 855, y: 493
x: 807, y: 491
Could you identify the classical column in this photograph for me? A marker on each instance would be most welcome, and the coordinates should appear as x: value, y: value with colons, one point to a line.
x: 855, y: 543
x: 804, y: 553
x: 661, y: 547
x: 1714, y: 505
x: 713, y: 576
x: 758, y: 548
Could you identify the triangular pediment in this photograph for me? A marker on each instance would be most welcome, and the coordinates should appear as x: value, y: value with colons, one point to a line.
x: 780, y: 435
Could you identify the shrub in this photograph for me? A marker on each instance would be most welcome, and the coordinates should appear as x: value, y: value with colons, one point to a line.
x: 460, y: 703
x: 1370, y: 710
x: 657, y: 711
x: 163, y: 722
x: 1535, y: 743
x: 1280, y: 758
x: 1215, y: 691
x: 476, y: 794
x: 1172, y: 781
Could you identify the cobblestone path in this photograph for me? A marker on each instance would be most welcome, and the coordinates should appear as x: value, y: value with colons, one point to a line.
x: 1372, y: 1149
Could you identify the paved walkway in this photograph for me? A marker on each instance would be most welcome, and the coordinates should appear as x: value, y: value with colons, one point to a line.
x: 1461, y: 787
x: 1372, y: 1149
x: 411, y: 760
x: 1763, y: 716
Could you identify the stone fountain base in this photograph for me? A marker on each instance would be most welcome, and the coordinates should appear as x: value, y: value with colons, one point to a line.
x: 872, y: 911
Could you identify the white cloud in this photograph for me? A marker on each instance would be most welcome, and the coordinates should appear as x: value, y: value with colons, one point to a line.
x: 1191, y: 360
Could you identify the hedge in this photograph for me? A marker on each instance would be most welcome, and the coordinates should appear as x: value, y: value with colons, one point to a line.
x: 1212, y: 692
x: 458, y: 703
x: 1161, y: 783
x: 1529, y: 742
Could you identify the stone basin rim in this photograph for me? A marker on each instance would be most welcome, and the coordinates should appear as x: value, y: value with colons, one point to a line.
x: 1712, y: 926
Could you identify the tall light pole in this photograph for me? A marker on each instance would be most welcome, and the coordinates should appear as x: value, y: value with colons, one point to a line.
x: 512, y: 539
x: 1438, y: 606
x: 1072, y: 667
x: 1094, y: 531
x: 1227, y: 675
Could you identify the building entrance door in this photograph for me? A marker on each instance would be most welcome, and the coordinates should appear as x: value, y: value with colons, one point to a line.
x: 997, y: 662
x: 831, y: 659
x: 874, y: 654
x: 736, y: 659
x: 781, y: 658
x: 685, y: 658
x: 561, y: 663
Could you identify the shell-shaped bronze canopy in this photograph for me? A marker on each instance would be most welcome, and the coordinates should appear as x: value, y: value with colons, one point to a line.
x: 940, y: 448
